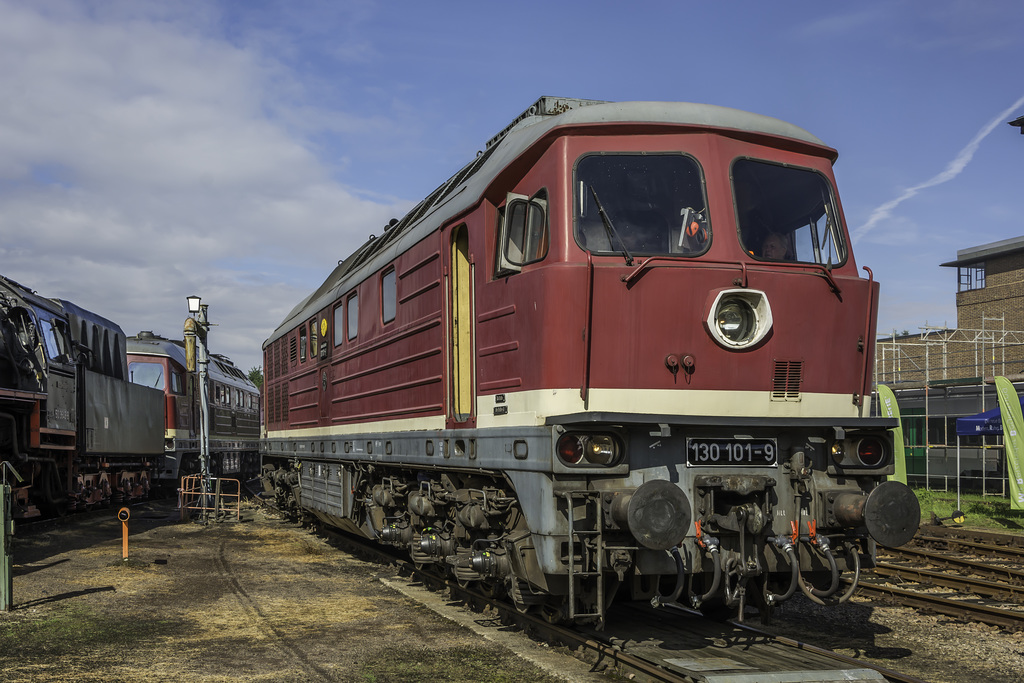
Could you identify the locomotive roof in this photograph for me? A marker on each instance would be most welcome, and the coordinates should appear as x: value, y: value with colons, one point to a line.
x: 19, y: 294
x: 103, y: 337
x: 465, y: 189
x: 146, y: 343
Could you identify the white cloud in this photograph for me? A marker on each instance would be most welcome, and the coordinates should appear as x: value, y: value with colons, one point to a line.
x: 143, y: 158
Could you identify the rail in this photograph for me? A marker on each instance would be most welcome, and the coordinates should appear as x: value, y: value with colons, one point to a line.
x: 222, y: 500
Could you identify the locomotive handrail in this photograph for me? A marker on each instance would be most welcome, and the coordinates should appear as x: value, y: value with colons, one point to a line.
x: 588, y: 322
x: 868, y: 358
x: 823, y: 271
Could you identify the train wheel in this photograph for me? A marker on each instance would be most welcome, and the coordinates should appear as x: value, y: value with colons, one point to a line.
x: 554, y: 611
x: 492, y: 589
x: 523, y: 599
x: 517, y: 597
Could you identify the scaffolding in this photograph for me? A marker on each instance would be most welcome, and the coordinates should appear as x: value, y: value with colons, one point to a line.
x: 941, y: 360
x: 941, y: 354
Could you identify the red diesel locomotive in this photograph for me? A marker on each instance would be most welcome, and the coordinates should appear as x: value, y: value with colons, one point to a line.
x: 625, y: 351
x: 160, y: 363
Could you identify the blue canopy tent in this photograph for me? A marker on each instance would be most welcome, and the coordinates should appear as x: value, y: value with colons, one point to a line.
x: 988, y: 423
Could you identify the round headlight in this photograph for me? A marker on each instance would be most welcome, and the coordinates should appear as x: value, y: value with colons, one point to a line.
x: 736, y: 320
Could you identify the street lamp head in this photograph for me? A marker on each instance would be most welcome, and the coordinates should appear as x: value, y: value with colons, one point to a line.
x: 193, y: 303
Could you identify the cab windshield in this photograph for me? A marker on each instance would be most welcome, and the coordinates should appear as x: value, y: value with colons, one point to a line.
x: 786, y: 213
x: 641, y: 204
x: 147, y: 374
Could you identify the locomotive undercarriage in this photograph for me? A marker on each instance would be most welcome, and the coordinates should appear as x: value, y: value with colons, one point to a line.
x: 54, y: 479
x: 568, y: 545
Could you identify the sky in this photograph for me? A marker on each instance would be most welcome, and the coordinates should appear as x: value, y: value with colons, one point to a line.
x: 238, y: 149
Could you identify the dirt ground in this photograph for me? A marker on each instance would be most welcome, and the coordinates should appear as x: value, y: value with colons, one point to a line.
x: 266, y: 600
x: 259, y: 600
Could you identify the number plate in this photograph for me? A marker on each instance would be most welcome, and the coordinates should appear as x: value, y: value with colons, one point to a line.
x: 735, y: 452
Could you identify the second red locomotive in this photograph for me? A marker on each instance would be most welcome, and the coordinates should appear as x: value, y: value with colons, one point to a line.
x: 626, y: 350
x: 160, y: 363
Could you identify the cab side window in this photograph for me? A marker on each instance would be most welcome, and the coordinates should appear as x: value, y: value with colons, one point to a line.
x: 523, y: 232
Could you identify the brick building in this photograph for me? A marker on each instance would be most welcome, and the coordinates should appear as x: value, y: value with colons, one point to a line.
x: 940, y: 374
x: 989, y: 336
x: 991, y: 281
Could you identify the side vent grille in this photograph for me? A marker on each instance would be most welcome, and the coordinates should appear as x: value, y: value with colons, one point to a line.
x: 284, y: 402
x: 786, y: 380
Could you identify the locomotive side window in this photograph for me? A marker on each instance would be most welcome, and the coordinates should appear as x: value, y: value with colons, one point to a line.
x: 302, y: 343
x: 523, y: 235
x: 646, y: 204
x: 339, y: 324
x: 312, y: 339
x: 388, y: 296
x: 786, y: 213
x: 353, y: 316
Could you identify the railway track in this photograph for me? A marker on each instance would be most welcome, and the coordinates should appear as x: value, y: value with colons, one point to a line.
x: 989, y: 591
x: 948, y: 535
x: 672, y: 644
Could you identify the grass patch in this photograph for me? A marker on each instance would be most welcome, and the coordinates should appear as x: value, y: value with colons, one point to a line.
x: 73, y: 630
x: 982, y: 512
x: 312, y: 547
x: 461, y: 665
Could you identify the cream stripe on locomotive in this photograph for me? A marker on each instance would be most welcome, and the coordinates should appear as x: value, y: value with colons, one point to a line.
x: 531, y: 408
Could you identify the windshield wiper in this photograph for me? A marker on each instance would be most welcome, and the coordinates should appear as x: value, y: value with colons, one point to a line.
x: 610, y: 229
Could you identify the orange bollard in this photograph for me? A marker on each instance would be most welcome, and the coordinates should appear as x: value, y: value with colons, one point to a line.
x: 123, y: 515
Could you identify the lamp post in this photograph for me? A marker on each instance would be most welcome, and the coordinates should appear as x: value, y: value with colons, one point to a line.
x: 196, y: 328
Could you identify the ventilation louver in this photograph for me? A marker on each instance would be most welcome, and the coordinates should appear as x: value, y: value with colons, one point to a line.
x: 786, y: 380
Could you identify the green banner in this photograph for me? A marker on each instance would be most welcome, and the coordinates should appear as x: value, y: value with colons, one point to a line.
x: 889, y: 408
x: 1013, y: 439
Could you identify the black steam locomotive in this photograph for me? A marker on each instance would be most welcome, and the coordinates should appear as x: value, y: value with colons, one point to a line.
x: 75, y: 429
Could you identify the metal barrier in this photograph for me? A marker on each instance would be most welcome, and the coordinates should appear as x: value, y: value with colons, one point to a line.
x: 223, y: 497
